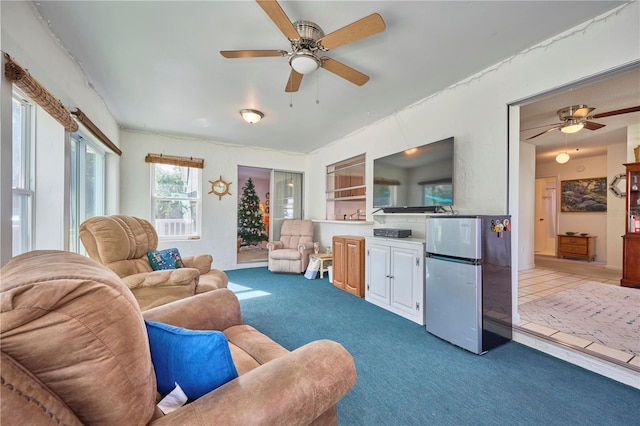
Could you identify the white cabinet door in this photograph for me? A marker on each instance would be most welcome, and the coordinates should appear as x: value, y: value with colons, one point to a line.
x: 405, y: 266
x: 377, y: 274
x: 395, y: 276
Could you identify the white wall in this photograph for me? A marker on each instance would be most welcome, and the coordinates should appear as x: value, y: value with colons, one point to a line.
x: 219, y: 217
x: 29, y: 42
x: 474, y: 112
x: 633, y: 141
x: 594, y: 223
x: 526, y: 204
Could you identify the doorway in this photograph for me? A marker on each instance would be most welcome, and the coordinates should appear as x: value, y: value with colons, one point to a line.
x: 279, y: 196
x: 546, y: 216
x: 539, y: 207
x: 254, y: 183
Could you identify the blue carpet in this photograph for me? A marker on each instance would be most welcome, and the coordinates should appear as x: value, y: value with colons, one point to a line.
x: 406, y: 376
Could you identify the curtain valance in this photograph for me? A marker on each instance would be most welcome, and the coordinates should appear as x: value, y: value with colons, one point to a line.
x: 81, y: 117
x: 30, y: 86
x: 175, y: 160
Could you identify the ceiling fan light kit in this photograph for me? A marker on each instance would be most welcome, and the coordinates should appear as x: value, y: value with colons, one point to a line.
x: 304, y: 62
x: 572, y: 126
x: 251, y: 116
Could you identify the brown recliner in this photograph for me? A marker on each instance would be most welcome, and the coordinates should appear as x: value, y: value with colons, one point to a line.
x: 291, y: 253
x: 75, y: 351
x: 121, y: 243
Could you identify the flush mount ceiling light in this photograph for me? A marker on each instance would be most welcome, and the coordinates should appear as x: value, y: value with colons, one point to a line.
x: 562, y: 158
x: 572, y: 126
x: 251, y: 116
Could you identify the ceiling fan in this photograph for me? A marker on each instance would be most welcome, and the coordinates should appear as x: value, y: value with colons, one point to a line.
x: 576, y: 117
x: 308, y: 40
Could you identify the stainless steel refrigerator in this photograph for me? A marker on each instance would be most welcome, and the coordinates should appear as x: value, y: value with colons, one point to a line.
x: 468, y: 280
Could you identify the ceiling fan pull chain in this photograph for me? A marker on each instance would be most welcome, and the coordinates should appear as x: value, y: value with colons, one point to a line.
x: 317, y: 88
x: 291, y: 100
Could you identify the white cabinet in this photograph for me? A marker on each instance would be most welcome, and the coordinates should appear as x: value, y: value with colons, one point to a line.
x: 394, y: 277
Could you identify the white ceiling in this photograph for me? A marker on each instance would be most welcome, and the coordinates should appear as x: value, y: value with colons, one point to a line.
x: 158, y: 68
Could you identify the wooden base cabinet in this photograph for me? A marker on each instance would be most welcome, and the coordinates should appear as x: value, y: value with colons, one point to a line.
x: 395, y: 276
x: 630, y: 260
x: 577, y: 247
x: 348, y: 264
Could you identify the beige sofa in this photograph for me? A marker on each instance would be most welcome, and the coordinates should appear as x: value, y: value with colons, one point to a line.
x: 75, y: 351
x: 121, y: 243
x: 291, y: 253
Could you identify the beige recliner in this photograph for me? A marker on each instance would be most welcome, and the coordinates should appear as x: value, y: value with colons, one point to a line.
x: 121, y: 243
x: 75, y: 350
x: 291, y: 253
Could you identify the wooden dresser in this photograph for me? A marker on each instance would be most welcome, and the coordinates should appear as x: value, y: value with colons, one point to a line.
x: 577, y: 246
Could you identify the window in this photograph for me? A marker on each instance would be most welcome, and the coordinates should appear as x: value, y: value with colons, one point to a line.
x: 175, y: 201
x: 22, y: 175
x: 346, y: 189
x: 87, y: 193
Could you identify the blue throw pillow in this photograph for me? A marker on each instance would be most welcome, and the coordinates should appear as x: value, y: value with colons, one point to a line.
x: 165, y: 259
x: 198, y: 360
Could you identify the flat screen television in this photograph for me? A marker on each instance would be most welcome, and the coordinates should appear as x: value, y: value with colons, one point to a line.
x: 417, y: 180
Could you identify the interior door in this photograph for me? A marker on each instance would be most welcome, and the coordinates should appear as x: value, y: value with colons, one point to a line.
x: 545, y: 207
x: 286, y: 199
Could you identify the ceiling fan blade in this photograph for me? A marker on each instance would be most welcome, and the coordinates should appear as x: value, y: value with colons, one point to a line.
x: 341, y: 70
x: 616, y: 112
x: 542, y: 133
x: 295, y: 78
x: 540, y: 127
x: 233, y: 54
x: 590, y: 125
x: 360, y: 29
x: 277, y: 15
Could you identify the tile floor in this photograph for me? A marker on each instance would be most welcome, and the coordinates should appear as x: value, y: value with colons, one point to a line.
x: 538, y: 282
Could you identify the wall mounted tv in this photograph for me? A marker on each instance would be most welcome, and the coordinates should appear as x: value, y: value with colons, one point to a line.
x: 417, y: 180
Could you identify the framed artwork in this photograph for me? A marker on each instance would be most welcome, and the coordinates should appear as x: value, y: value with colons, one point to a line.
x: 584, y: 195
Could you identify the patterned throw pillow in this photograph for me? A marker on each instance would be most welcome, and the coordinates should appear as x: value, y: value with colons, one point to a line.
x: 165, y: 259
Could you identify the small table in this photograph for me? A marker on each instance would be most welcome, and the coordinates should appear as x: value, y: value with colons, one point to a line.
x: 325, y: 260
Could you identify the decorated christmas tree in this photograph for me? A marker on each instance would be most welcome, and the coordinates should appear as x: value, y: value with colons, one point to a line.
x: 250, y: 223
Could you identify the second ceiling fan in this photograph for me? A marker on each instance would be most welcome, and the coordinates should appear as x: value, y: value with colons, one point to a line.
x: 308, y: 40
x: 576, y: 117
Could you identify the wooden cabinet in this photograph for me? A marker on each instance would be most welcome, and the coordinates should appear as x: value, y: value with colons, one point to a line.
x: 395, y: 276
x: 348, y: 264
x: 577, y: 247
x: 631, y: 237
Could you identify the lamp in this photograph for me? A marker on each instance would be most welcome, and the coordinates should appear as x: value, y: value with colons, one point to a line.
x: 251, y: 116
x: 563, y: 157
x: 572, y: 126
x: 304, y: 62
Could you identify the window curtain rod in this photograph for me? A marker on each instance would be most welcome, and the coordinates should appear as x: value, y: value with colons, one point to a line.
x: 81, y: 117
x: 30, y: 86
x: 175, y: 160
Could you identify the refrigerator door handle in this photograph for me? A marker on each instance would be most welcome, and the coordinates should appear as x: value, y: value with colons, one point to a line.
x: 455, y: 259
